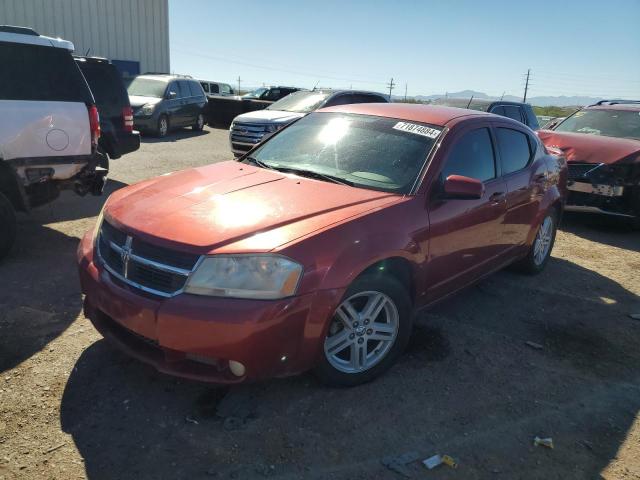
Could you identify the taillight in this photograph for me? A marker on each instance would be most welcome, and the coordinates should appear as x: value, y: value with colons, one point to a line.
x: 94, y: 124
x: 127, y: 118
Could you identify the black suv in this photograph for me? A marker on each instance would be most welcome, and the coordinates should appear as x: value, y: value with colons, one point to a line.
x: 522, y: 112
x: 116, y: 117
x: 162, y: 102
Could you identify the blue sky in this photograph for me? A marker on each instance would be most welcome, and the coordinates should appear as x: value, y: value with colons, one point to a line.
x: 572, y: 47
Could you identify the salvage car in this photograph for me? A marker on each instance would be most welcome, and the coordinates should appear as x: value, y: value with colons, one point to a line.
x: 163, y: 102
x: 222, y: 110
x: 520, y: 111
x: 249, y: 129
x: 315, y: 250
x: 49, y: 127
x: 602, y: 146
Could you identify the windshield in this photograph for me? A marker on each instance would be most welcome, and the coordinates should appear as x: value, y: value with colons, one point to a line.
x: 365, y: 151
x: 300, y: 102
x: 610, y: 123
x: 257, y: 93
x: 146, y: 87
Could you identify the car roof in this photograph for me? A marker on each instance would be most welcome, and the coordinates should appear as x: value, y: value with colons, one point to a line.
x: 629, y: 107
x: 12, y: 34
x: 431, y: 114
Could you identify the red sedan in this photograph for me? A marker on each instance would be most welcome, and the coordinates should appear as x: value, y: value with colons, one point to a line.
x: 315, y: 249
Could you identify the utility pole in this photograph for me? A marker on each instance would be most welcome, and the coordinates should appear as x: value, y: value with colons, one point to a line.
x: 238, y: 84
x: 391, y: 84
x: 405, y: 92
x: 526, y: 87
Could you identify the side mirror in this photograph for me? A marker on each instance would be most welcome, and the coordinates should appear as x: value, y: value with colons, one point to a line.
x: 172, y: 95
x: 458, y: 186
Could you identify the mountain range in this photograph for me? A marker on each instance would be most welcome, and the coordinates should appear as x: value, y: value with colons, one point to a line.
x: 539, y: 101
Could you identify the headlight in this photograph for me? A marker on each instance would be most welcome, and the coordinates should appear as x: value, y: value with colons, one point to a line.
x: 245, y: 276
x: 147, y: 109
x: 274, y: 127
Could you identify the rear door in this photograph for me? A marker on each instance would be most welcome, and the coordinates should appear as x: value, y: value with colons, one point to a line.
x: 466, y: 235
x: 43, y: 104
x: 524, y: 172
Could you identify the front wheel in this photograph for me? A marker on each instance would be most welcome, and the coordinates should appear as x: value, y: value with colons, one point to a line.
x: 7, y: 226
x: 199, y: 125
x: 163, y: 126
x: 368, y: 332
x: 540, y: 250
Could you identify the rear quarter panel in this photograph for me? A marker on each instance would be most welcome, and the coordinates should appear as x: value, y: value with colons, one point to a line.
x: 30, y: 129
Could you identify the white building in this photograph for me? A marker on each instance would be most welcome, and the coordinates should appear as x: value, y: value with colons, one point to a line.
x: 133, y: 34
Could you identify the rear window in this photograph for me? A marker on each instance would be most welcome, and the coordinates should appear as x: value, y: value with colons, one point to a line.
x: 34, y: 72
x: 196, y: 90
x: 105, y: 83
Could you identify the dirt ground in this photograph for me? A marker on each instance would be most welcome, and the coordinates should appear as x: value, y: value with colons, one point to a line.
x: 71, y: 406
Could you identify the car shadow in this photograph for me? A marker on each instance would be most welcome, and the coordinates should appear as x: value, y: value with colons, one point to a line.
x: 69, y: 206
x: 39, y: 297
x: 468, y: 385
x: 173, y: 136
x: 612, y: 231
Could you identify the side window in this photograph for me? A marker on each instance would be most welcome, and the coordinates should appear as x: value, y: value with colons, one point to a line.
x: 195, y: 89
x: 215, y: 88
x: 365, y: 98
x: 184, y: 88
x: 224, y: 88
x: 174, y: 87
x: 514, y: 148
x: 272, y: 94
x: 499, y: 110
x: 472, y: 156
x: 33, y: 72
x: 205, y: 87
x: 513, y: 112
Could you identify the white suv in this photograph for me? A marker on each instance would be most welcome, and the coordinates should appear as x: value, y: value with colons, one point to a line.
x: 49, y: 126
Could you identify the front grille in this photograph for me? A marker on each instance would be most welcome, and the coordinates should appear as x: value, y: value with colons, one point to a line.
x: 248, y: 133
x: 579, y: 171
x: 153, y: 269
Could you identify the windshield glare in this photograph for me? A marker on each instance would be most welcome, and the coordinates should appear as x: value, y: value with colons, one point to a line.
x: 370, y: 152
x: 146, y: 87
x: 257, y: 93
x: 610, y: 123
x: 300, y: 102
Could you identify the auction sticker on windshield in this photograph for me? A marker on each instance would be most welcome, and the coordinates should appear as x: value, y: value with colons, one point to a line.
x: 417, y: 129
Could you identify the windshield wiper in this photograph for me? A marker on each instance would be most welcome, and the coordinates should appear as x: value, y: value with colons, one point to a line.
x: 260, y: 163
x: 313, y: 174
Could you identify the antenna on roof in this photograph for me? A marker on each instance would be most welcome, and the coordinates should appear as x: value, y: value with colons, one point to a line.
x: 315, y: 86
x: 470, y: 100
x: 88, y: 50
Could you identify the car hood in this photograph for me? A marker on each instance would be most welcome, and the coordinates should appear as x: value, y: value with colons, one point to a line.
x: 585, y: 148
x: 268, y: 116
x: 138, y: 101
x: 230, y: 206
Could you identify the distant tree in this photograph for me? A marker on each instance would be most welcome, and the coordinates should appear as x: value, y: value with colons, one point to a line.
x: 554, y: 111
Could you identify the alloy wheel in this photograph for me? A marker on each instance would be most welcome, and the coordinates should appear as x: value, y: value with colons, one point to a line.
x: 362, y: 332
x: 200, y: 122
x: 163, y: 127
x: 542, y: 242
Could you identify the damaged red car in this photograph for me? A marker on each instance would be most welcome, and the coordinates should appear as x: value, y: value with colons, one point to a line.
x: 602, y: 146
x: 315, y: 249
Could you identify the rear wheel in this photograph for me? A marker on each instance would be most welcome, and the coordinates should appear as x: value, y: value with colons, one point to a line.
x: 7, y: 226
x: 368, y: 332
x: 199, y: 125
x: 540, y: 251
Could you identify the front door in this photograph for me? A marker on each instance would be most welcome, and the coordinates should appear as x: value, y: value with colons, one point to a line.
x: 466, y: 234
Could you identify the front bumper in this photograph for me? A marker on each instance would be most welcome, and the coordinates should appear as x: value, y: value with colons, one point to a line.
x: 145, y: 124
x: 195, y: 337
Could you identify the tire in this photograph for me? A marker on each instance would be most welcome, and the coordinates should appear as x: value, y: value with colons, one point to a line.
x: 199, y: 125
x: 163, y: 128
x: 7, y: 226
x: 379, y: 346
x: 535, y: 261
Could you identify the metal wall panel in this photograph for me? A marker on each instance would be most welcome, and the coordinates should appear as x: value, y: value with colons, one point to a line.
x: 135, y: 30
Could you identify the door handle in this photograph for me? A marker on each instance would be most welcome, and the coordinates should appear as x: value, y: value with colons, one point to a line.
x: 496, y: 197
